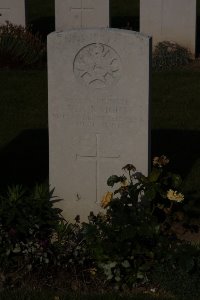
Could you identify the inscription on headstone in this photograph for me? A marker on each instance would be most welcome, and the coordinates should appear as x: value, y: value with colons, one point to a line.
x: 81, y: 14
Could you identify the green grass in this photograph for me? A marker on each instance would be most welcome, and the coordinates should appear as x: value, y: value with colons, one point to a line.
x: 175, y: 117
x: 23, y: 103
x: 40, y: 9
x: 175, y: 100
x: 124, y: 8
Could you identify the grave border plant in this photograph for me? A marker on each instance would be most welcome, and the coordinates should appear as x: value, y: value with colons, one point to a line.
x: 121, y: 248
x: 27, y: 222
x: 168, y: 55
x: 136, y: 234
x: 19, y: 47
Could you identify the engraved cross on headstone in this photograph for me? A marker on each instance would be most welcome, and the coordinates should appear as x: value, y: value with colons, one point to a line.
x: 80, y: 10
x: 97, y: 158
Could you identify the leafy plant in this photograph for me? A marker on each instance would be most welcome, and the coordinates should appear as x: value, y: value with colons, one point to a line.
x: 35, y: 239
x: 168, y: 55
x: 27, y: 221
x: 129, y: 243
x: 18, y: 46
x: 133, y: 234
x: 69, y: 246
x: 181, y: 266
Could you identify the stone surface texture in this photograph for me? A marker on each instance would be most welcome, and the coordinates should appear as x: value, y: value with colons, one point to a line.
x: 13, y: 11
x: 81, y: 14
x: 98, y: 83
x: 169, y: 20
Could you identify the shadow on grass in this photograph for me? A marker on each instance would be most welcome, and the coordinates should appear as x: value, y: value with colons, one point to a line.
x: 25, y: 159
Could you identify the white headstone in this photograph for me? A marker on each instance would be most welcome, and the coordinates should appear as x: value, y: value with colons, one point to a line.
x: 13, y: 11
x: 81, y: 14
x: 98, y: 112
x: 169, y: 20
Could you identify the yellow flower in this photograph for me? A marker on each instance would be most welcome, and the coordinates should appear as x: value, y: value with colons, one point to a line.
x: 175, y: 196
x: 106, y: 199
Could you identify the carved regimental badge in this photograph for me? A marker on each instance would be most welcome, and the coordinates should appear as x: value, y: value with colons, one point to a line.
x: 97, y: 66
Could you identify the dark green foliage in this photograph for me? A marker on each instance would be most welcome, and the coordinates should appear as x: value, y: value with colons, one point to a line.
x: 112, y: 180
x: 126, y: 247
x: 24, y: 211
x: 35, y: 239
x: 169, y: 55
x: 180, y: 272
x: 125, y: 8
x: 70, y: 251
x: 18, y: 46
x: 133, y: 234
x: 37, y: 9
x: 27, y: 222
